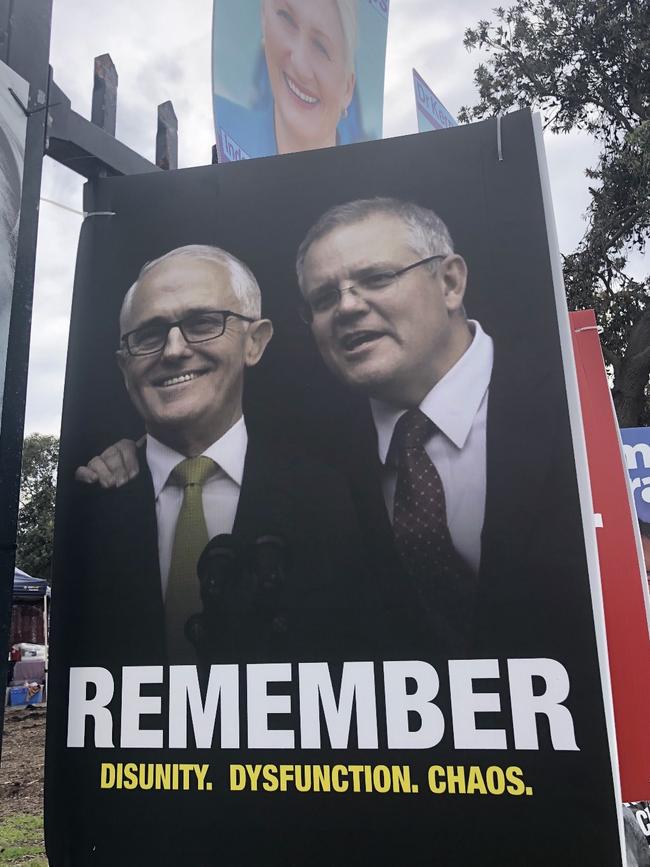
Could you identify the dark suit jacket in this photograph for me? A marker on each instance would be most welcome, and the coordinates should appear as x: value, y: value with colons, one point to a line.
x: 112, y: 571
x: 531, y: 581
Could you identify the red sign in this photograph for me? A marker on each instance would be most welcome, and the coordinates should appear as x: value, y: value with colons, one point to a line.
x: 622, y: 575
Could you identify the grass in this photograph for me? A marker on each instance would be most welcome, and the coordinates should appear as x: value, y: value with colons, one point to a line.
x: 21, y: 841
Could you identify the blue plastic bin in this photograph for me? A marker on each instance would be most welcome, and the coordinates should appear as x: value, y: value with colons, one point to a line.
x: 18, y: 696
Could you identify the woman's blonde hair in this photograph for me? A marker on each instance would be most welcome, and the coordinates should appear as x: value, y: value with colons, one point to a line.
x: 347, y: 10
x: 348, y: 15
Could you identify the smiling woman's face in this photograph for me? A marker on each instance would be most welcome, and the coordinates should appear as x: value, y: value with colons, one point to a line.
x: 310, y: 76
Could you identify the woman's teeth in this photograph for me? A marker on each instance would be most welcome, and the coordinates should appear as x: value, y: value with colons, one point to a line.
x: 293, y: 87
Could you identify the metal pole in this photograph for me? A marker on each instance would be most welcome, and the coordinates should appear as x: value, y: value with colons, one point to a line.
x: 47, y: 644
x: 25, y: 42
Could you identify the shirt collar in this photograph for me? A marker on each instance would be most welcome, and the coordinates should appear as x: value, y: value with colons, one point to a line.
x: 229, y: 452
x: 453, y: 415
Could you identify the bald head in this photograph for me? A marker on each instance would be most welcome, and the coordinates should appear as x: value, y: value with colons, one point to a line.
x: 242, y: 280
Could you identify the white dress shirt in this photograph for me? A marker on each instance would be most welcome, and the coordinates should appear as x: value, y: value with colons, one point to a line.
x: 457, y: 405
x: 220, y: 492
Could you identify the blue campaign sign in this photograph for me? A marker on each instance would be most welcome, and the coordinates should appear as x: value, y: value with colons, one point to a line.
x: 431, y: 112
x: 290, y: 76
x: 636, y: 449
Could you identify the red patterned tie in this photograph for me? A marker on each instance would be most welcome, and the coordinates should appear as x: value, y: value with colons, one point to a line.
x: 444, y: 582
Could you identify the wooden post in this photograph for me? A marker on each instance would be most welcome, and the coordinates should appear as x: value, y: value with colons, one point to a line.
x: 167, y: 137
x: 104, y: 105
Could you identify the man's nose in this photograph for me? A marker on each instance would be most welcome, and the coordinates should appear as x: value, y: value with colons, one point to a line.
x: 351, y: 301
x: 175, y: 346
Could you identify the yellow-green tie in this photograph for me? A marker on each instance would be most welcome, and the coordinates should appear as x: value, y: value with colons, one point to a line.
x: 183, y: 598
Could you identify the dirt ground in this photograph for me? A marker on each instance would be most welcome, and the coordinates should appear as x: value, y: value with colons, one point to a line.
x: 21, y: 768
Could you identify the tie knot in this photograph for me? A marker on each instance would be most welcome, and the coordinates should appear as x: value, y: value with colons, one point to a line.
x: 193, y: 471
x: 412, y: 431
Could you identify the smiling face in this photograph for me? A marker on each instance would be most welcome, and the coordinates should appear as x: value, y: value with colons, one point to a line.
x: 396, y: 342
x: 310, y: 75
x: 189, y: 394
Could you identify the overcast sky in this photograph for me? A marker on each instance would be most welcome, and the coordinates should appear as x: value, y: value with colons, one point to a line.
x: 161, y: 49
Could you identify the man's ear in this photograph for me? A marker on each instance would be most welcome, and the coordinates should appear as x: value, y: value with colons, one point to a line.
x: 257, y: 338
x: 121, y: 358
x: 452, y: 272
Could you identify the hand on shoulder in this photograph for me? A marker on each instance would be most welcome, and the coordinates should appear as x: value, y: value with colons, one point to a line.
x: 114, y: 467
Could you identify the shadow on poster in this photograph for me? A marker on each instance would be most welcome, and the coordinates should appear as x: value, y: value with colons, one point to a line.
x: 347, y: 692
x: 291, y: 76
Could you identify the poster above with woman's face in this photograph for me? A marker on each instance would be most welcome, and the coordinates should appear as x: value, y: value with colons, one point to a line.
x: 295, y: 75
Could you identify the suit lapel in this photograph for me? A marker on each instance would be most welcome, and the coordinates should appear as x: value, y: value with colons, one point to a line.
x: 519, y: 413
x: 134, y: 516
x: 365, y: 469
x: 266, y: 499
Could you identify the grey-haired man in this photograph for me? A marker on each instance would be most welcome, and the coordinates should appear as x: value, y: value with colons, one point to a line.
x: 190, y: 327
x: 383, y: 294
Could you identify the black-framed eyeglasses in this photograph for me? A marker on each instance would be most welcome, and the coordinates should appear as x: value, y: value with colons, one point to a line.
x: 325, y: 299
x: 195, y: 328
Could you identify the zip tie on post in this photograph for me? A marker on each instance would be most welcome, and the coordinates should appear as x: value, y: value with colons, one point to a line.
x: 19, y: 101
x: 499, y: 148
x: 28, y: 112
x: 83, y: 214
x: 597, y: 328
x: 65, y: 207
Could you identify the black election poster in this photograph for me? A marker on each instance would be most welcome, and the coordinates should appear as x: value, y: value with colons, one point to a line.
x: 389, y: 649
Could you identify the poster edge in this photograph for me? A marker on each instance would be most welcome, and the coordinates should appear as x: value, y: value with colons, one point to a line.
x: 635, y: 521
x: 582, y: 469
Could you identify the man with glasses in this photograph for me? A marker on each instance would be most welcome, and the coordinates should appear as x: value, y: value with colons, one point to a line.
x: 190, y: 326
x: 383, y: 295
x: 457, y: 461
